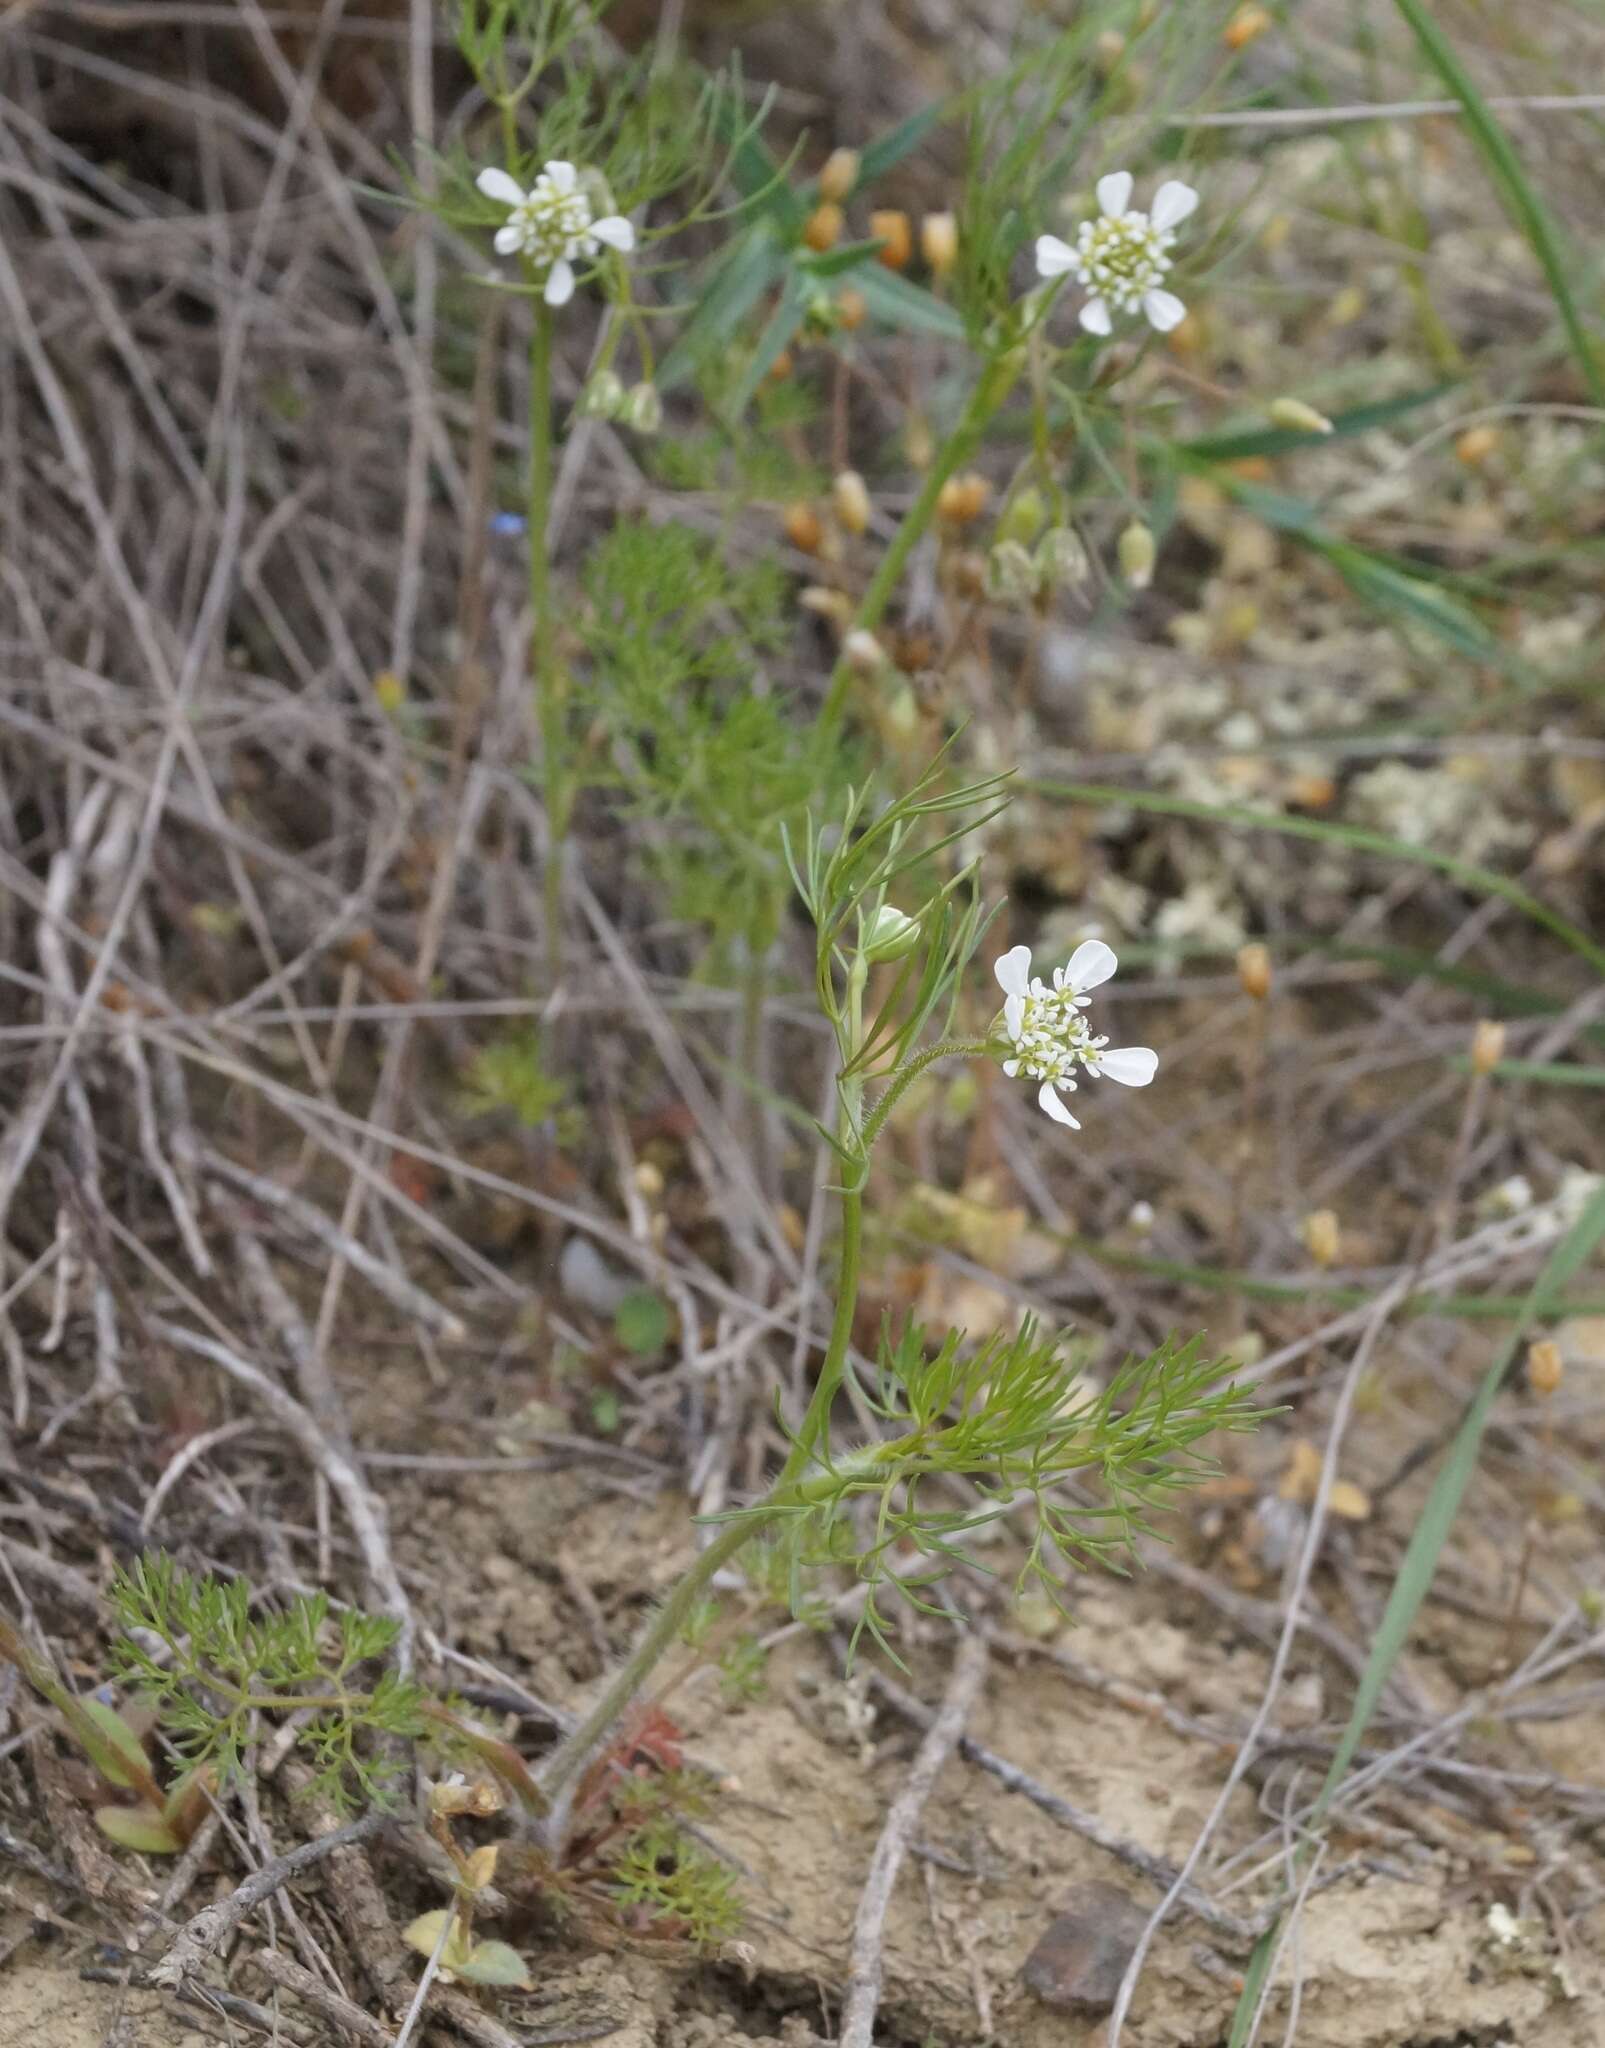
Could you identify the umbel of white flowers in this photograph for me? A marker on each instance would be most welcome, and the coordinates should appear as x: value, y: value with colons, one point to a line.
x: 552, y: 224
x: 1122, y: 256
x: 1050, y: 1036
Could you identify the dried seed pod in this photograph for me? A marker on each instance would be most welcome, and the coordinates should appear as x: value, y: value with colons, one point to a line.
x: 852, y: 309
x: 1476, y: 444
x: 863, y: 653
x: 939, y: 242
x: 1487, y: 1045
x: 1322, y: 1237
x: 1545, y: 1367
x: 1244, y: 26
x: 849, y: 498
x: 803, y: 527
x: 839, y: 175
x: 824, y: 228
x: 1254, y: 970
x: 893, y: 231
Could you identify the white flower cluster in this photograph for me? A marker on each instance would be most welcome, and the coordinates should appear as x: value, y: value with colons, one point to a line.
x: 1050, y: 1036
x: 553, y: 223
x: 1122, y: 256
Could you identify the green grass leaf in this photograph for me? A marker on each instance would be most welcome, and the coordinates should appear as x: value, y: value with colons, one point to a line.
x: 1420, y: 1563
x: 739, y: 280
x: 908, y: 307
x: 1522, y: 203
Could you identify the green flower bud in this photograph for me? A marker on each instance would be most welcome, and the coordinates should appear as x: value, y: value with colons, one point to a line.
x: 643, y: 408
x: 1137, y: 555
x: 604, y: 397
x: 891, y: 934
x: 1022, y: 520
x: 1298, y: 417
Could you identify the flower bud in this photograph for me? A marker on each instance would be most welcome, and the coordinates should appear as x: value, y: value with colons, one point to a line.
x: 900, y: 717
x: 850, y: 501
x: 1298, y: 417
x: 852, y: 309
x: 604, y: 397
x: 643, y: 408
x: 890, y: 935
x: 1109, y: 49
x: 863, y: 653
x: 1254, y: 970
x: 839, y: 175
x: 1322, y: 1238
x: 893, y: 232
x: 803, y: 527
x: 824, y: 227
x: 1021, y: 519
x: 1061, y: 560
x: 939, y: 243
x: 1245, y: 25
x: 1487, y: 1045
x: 1545, y: 1367
x: 1011, y: 575
x: 1137, y: 554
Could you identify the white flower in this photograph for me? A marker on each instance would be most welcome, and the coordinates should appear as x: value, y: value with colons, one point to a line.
x: 1049, y: 1034
x: 1122, y: 256
x: 552, y: 224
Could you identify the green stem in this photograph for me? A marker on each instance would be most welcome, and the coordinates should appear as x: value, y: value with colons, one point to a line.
x: 993, y: 385
x: 909, y: 1072
x: 548, y: 675
x: 577, y: 1748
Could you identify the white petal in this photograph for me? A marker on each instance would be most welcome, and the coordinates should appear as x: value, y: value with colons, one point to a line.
x: 559, y: 284
x: 509, y: 240
x: 1013, y: 971
x: 1164, y: 310
x: 1133, y: 1066
x: 1091, y: 963
x: 1114, y: 193
x: 564, y: 177
x: 1049, y: 1102
x: 497, y: 185
x: 1013, y: 1016
x: 1172, y: 204
x: 1011, y: 1068
x: 1054, y: 257
x: 1095, y: 317
x: 615, y: 230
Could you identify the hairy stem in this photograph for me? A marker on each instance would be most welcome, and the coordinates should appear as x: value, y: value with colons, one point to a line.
x: 992, y: 387
x: 549, y: 692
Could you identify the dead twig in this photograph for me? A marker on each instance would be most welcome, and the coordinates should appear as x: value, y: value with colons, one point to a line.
x: 943, y: 1729
x: 197, y: 1938
x: 289, y: 1976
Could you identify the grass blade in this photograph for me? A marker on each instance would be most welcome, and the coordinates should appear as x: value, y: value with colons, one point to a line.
x: 1420, y: 1562
x: 1510, y: 181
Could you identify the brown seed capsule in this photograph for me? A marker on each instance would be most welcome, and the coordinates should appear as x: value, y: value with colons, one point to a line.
x: 1312, y: 792
x: 824, y: 229
x: 893, y: 231
x: 849, y: 499
x: 781, y: 368
x: 939, y: 242
x: 839, y: 175
x: 1476, y: 444
x: 1545, y: 1367
x: 1487, y: 1045
x: 852, y: 309
x: 1244, y: 26
x: 962, y: 499
x: 1254, y: 970
x: 1322, y: 1238
x: 803, y: 527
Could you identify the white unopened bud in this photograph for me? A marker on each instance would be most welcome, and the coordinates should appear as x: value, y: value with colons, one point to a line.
x: 1011, y: 575
x: 1137, y: 555
x: 604, y: 398
x: 1061, y: 559
x: 863, y: 653
x: 891, y: 934
x: 643, y: 408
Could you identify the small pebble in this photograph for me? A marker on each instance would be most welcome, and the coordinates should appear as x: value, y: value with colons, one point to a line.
x: 1079, y: 1962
